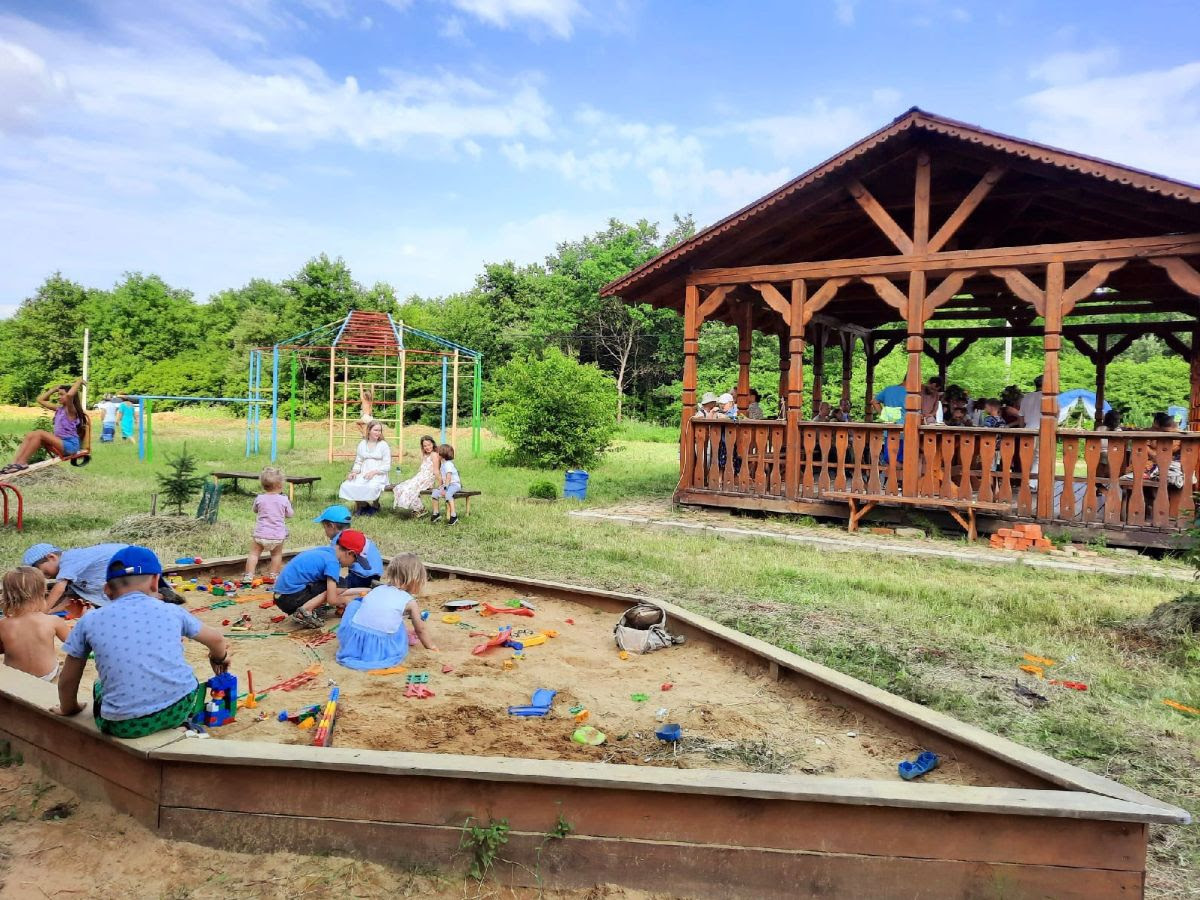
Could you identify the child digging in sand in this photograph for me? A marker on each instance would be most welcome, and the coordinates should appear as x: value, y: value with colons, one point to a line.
x: 26, y: 633
x: 270, y: 529
x: 373, y: 633
x: 145, y: 684
x: 311, y: 578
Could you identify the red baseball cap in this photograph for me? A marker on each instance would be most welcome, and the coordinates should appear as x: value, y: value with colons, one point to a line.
x: 354, y: 541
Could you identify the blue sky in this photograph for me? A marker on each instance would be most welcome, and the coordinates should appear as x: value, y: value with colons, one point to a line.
x: 218, y: 141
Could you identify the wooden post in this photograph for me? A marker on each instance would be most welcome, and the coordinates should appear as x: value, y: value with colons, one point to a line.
x: 943, y: 360
x: 869, y: 349
x: 916, y: 331
x: 454, y: 410
x: 848, y: 342
x: 1101, y: 376
x: 818, y: 350
x: 691, y: 338
x: 795, y: 389
x: 745, y: 327
x: 785, y: 365
x: 1047, y: 433
x: 1194, y: 396
x: 332, y: 369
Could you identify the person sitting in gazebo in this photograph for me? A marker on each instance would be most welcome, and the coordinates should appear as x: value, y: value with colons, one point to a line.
x: 369, y: 474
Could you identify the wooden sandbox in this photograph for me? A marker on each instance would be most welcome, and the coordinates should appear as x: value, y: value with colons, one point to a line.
x: 1054, y: 831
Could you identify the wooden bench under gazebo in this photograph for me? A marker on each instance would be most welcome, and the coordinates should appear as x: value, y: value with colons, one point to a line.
x: 931, y: 234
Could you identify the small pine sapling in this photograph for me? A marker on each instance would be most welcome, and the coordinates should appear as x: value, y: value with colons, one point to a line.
x: 180, y: 483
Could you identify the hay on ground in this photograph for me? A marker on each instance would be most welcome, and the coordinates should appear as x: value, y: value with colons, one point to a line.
x: 1175, y: 618
x: 143, y: 528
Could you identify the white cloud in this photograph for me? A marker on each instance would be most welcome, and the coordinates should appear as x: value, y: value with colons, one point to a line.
x: 1071, y: 66
x: 1150, y: 120
x: 557, y: 16
x: 191, y: 90
x: 844, y: 10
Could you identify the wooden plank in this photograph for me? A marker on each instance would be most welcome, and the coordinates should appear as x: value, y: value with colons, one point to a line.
x: 774, y: 299
x: 712, y: 302
x: 1025, y: 447
x: 692, y: 870
x: 920, y: 235
x: 1091, y: 466
x: 968, y: 205
x: 894, y: 437
x: 945, y: 261
x: 841, y: 439
x: 1113, y: 497
x: 987, y: 464
x: 966, y: 465
x: 1181, y: 272
x: 810, y: 443
x: 1188, y: 456
x: 880, y: 216
x: 1138, y: 460
x: 950, y: 286
x: 825, y: 441
x: 889, y: 293
x: 1086, y: 284
x: 1066, y: 502
x: 1160, y: 509
x: 1023, y: 288
x: 787, y: 825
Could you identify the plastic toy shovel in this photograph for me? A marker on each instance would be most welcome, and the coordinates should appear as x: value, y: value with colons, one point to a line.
x: 539, y: 704
x: 503, y: 637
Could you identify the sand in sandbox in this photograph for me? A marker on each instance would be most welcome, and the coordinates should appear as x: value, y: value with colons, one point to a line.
x: 732, y: 717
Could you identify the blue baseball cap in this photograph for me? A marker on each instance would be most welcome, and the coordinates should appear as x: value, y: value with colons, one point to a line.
x: 337, y: 514
x: 133, y: 560
x: 37, y: 553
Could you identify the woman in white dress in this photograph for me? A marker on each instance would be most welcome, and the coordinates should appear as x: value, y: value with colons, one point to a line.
x: 408, y: 493
x: 369, y: 474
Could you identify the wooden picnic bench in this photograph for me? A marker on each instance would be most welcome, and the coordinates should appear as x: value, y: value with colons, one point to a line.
x: 292, y: 480
x: 955, y: 507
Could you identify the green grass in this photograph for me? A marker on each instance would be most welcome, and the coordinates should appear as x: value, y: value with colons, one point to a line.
x: 944, y: 634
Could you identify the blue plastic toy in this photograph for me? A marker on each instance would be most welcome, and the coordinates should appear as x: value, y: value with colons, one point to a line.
x: 922, y: 765
x: 539, y: 704
x: 669, y: 733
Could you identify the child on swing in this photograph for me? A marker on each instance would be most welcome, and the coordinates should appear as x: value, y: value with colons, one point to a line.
x: 69, y: 428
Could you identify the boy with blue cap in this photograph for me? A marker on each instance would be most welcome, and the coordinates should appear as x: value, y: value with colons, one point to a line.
x: 368, y: 568
x: 145, y: 684
x: 311, y: 578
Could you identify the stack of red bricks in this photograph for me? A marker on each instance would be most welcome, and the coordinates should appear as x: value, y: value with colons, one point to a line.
x: 1026, y: 536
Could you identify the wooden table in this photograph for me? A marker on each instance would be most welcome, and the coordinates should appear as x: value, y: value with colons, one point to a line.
x: 292, y: 480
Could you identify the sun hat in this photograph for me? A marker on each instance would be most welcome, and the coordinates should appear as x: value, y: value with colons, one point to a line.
x: 709, y: 397
x: 337, y: 514
x: 133, y: 560
x: 725, y: 398
x: 354, y: 541
x: 37, y: 553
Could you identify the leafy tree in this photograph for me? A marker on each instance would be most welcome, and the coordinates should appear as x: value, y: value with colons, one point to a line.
x: 181, y: 482
x: 555, y: 411
x: 43, y: 342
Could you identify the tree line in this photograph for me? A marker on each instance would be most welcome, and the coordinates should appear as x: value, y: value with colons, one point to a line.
x: 151, y: 337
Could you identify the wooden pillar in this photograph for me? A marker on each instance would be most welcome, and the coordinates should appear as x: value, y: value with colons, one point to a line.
x: 691, y: 342
x: 795, y: 388
x: 745, y: 326
x: 869, y: 351
x: 943, y: 360
x: 1047, y: 433
x: 1101, y: 375
x: 1194, y: 371
x: 848, y: 341
x: 785, y: 365
x: 916, y: 331
x: 818, y: 350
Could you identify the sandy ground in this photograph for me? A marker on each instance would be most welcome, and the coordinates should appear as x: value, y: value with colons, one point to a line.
x: 54, y: 846
x: 731, y: 718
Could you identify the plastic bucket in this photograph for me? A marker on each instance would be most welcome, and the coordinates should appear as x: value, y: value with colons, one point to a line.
x: 575, y: 485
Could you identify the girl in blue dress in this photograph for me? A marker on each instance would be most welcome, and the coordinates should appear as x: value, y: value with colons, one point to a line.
x: 373, y: 633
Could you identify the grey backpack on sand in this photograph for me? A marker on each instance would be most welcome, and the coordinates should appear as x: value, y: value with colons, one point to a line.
x: 643, y: 628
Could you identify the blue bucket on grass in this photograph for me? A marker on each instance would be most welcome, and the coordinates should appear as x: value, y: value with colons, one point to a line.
x: 575, y: 485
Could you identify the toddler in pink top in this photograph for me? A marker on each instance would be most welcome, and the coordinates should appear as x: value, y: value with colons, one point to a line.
x: 270, y: 531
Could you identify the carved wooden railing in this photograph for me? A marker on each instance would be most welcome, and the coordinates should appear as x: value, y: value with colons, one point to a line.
x: 743, y: 457
x: 1106, y: 479
x: 1124, y: 479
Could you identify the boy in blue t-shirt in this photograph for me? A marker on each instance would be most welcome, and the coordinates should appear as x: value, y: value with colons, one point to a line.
x: 368, y: 569
x: 311, y: 578
x: 145, y: 684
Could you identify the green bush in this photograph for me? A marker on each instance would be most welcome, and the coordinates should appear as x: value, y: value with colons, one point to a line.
x: 554, y: 411
x: 543, y: 490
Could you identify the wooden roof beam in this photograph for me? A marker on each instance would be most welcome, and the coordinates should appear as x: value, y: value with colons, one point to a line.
x: 969, y: 204
x: 952, y: 260
x: 880, y: 216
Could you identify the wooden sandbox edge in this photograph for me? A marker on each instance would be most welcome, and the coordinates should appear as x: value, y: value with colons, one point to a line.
x: 752, y: 785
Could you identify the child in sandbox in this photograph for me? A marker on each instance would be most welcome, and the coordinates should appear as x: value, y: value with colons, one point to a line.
x: 311, y: 578
x: 145, y: 684
x: 26, y: 633
x: 373, y: 633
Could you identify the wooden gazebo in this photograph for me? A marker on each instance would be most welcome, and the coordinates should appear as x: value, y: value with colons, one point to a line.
x: 916, y: 236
